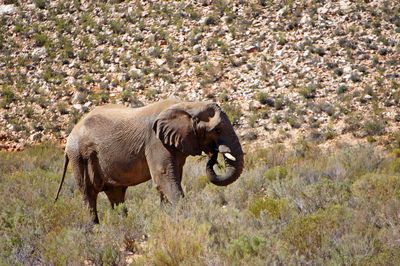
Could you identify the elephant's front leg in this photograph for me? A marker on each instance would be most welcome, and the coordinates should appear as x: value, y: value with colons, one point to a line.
x: 166, y: 172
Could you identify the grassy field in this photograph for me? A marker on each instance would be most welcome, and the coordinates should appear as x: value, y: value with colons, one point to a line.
x: 291, y: 206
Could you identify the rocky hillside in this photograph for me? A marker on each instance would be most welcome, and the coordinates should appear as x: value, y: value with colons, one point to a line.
x: 319, y: 70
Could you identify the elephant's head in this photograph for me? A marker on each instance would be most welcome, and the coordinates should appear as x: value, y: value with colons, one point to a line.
x: 196, y: 127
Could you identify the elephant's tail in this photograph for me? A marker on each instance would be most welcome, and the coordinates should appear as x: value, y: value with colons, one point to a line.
x: 66, y: 160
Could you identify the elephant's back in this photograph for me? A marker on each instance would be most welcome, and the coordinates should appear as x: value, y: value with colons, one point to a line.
x: 108, y: 122
x: 117, y: 111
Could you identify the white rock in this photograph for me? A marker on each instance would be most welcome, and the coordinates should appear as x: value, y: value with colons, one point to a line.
x: 197, y: 48
x: 367, y: 97
x: 7, y: 9
x: 279, y: 53
x: 88, y: 104
x: 347, y: 70
x: 77, y: 106
x: 344, y: 5
x: 39, y: 52
x: 78, y: 97
x: 305, y: 19
x: 323, y: 10
x: 160, y: 61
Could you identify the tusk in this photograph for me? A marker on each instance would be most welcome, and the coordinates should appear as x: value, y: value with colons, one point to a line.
x: 229, y: 156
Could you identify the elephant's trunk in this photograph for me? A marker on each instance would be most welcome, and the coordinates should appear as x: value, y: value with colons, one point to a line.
x: 234, y: 164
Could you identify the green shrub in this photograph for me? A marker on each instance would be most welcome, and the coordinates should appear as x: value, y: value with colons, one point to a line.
x: 275, y: 208
x: 276, y: 173
x: 262, y: 97
x: 7, y: 96
x: 312, y: 235
x: 41, y: 39
x: 375, y: 126
x: 376, y: 188
x: 386, y: 256
x: 233, y: 112
x: 40, y: 4
x: 309, y: 91
x: 178, y: 241
x: 342, y: 89
x: 252, y: 120
x: 246, y: 246
x: 324, y: 193
x: 117, y: 26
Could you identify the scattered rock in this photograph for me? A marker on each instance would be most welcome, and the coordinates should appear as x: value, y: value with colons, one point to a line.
x: 7, y: 10
x: 215, y: 55
x: 250, y: 136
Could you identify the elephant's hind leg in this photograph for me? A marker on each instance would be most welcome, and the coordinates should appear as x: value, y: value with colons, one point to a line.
x: 89, y: 195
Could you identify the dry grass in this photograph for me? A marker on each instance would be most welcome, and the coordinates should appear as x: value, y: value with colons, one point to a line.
x: 293, y: 206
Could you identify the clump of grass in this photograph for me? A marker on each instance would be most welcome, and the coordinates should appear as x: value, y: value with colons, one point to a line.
x: 376, y: 188
x: 117, y: 26
x: 309, y: 91
x: 276, y: 173
x: 342, y: 89
x: 275, y: 208
x: 179, y: 238
x: 41, y: 39
x: 233, y: 111
x: 7, y: 96
x: 374, y: 127
x: 262, y: 97
x: 245, y: 247
x: 309, y: 234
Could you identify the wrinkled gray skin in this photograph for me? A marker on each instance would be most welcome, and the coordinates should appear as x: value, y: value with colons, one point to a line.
x: 114, y: 147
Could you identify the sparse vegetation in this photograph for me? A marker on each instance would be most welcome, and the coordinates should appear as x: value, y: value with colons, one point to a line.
x: 233, y: 111
x: 220, y: 51
x: 326, y: 206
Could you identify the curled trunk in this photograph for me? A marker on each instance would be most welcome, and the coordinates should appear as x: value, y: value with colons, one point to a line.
x: 233, y: 167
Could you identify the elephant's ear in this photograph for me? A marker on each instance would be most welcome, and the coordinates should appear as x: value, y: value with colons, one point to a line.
x: 175, y: 127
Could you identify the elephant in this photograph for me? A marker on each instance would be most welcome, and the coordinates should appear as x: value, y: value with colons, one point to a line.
x: 114, y: 147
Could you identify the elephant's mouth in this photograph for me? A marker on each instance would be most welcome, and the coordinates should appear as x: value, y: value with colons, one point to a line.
x: 210, y: 149
x: 233, y: 165
x: 213, y: 149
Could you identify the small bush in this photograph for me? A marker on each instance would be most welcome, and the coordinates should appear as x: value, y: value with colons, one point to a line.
x: 40, y: 4
x: 355, y: 77
x: 7, y: 96
x: 309, y: 91
x: 309, y: 234
x: 178, y: 241
x: 262, y: 97
x: 276, y: 173
x: 233, y: 112
x: 246, y: 246
x: 372, y: 188
x: 275, y: 208
x: 117, y: 26
x: 41, y: 39
x: 374, y: 127
x: 342, y: 89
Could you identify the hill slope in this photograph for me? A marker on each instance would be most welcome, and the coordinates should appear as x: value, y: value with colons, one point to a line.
x: 280, y: 69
